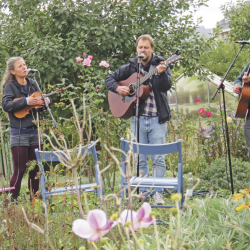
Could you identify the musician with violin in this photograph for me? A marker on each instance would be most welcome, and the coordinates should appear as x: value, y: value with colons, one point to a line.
x: 18, y: 94
x: 242, y: 88
x: 154, y: 111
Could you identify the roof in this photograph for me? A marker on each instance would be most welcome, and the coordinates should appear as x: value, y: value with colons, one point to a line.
x: 216, y: 80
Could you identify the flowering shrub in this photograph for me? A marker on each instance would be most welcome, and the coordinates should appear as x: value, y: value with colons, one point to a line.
x: 214, y: 137
x: 202, y: 111
x: 203, y: 139
x: 245, y: 193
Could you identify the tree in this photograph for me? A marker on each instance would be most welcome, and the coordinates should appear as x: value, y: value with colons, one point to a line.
x: 220, y: 58
x: 50, y: 34
x: 238, y: 16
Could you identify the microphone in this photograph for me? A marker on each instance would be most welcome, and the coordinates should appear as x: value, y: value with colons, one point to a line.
x: 244, y: 42
x: 141, y: 55
x: 31, y: 70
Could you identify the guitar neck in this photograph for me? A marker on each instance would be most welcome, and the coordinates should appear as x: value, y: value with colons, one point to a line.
x: 147, y: 76
x: 248, y: 71
x: 152, y: 72
x: 54, y: 92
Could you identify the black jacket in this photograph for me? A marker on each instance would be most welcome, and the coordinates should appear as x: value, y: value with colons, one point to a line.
x: 161, y: 83
x: 12, y: 91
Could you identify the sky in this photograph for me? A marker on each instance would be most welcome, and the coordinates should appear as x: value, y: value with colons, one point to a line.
x: 212, y: 13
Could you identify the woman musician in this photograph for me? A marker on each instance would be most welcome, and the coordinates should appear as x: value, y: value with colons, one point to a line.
x: 23, y: 132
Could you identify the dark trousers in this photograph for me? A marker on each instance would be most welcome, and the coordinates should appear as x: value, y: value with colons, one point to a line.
x: 246, y: 130
x: 25, y: 154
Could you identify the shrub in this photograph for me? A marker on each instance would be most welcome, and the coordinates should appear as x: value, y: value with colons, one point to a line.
x: 215, y: 224
x: 217, y: 174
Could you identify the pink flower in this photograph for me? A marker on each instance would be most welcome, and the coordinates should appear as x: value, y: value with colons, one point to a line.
x: 86, y: 62
x: 104, y: 64
x: 90, y: 57
x: 202, y: 111
x: 84, y: 54
x: 208, y: 114
x: 96, y: 88
x: 197, y: 100
x: 79, y: 59
x: 94, y: 227
x: 6, y: 189
x: 139, y: 219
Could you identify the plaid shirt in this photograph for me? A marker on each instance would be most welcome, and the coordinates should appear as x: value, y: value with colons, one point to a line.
x: 150, y: 105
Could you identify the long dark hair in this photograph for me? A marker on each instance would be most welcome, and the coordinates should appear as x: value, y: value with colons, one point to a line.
x: 8, y: 77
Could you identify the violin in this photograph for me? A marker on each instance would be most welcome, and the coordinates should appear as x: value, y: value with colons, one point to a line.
x: 23, y: 112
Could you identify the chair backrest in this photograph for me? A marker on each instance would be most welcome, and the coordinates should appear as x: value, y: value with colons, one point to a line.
x: 151, y: 149
x: 53, y: 155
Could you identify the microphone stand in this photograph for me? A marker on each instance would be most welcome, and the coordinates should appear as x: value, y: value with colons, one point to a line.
x: 137, y: 91
x: 222, y: 86
x: 46, y: 105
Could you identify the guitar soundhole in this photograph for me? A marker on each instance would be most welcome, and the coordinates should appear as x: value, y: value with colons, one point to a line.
x: 131, y: 89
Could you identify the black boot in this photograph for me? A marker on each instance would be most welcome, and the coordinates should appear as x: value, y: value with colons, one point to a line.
x: 14, y: 200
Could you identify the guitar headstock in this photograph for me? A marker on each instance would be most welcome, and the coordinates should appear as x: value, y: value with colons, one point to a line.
x: 172, y: 59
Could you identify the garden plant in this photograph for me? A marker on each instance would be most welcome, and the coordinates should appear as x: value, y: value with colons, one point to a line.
x: 75, y: 44
x: 124, y: 224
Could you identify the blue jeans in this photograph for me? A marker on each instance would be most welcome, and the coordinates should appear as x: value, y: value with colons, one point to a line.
x: 151, y: 132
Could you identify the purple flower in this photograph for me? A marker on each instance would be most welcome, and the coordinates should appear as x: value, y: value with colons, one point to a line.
x: 94, y: 227
x: 139, y: 219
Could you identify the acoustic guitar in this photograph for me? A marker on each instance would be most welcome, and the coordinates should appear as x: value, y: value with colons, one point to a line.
x: 23, y: 112
x: 243, y: 101
x: 124, y: 106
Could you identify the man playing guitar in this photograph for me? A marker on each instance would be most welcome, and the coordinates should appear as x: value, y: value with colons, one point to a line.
x: 245, y: 78
x: 154, y: 111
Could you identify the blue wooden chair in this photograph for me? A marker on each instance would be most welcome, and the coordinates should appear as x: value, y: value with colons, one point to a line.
x: 51, y: 156
x: 166, y: 183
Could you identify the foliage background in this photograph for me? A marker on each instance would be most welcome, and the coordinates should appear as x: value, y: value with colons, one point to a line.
x: 50, y: 34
